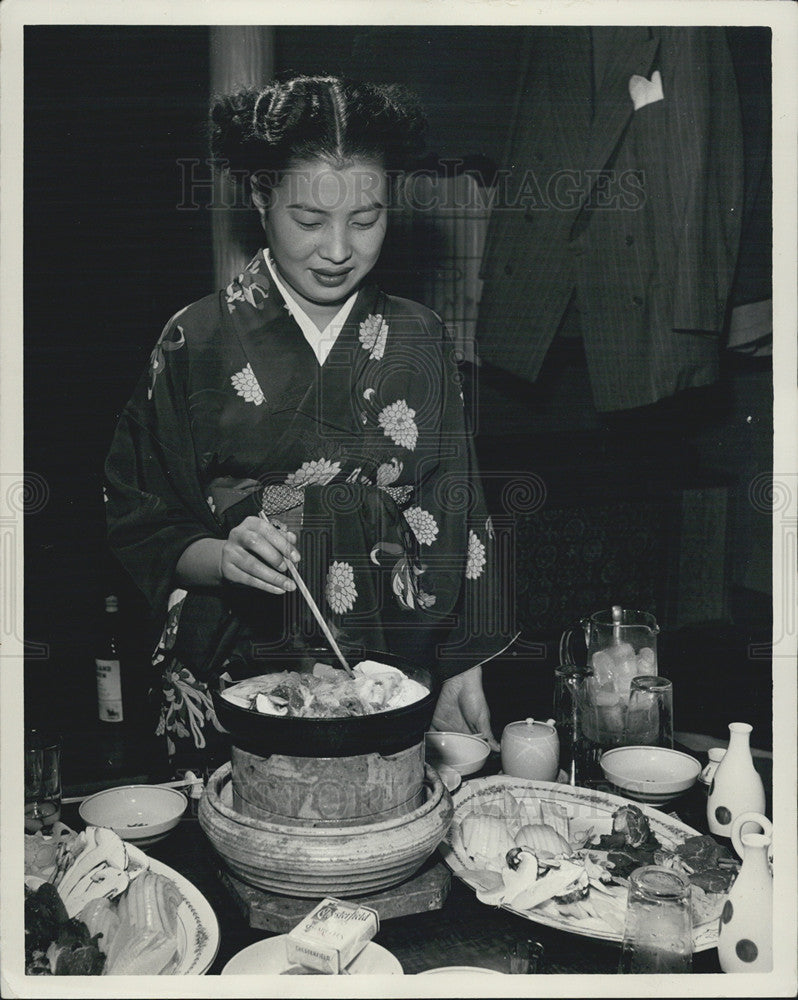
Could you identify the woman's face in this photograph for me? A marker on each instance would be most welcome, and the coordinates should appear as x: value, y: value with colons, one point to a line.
x: 325, y: 229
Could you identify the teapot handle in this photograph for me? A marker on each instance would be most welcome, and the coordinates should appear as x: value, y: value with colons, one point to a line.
x: 739, y: 823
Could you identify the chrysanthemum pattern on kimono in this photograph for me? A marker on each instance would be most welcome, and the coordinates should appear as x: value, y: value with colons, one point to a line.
x: 398, y: 424
x: 475, y: 560
x: 319, y: 472
x: 423, y: 525
x: 341, y: 592
x: 373, y: 336
x: 246, y: 385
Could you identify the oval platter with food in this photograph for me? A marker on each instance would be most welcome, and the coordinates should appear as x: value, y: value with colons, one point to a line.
x: 561, y: 856
x: 96, y: 905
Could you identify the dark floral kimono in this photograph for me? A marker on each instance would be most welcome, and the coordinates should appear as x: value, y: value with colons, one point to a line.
x: 369, y: 453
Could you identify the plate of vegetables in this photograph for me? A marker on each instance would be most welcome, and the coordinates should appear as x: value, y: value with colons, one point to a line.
x: 561, y: 856
x: 95, y: 905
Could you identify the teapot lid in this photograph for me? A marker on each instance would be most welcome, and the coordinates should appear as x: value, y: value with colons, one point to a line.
x: 529, y: 724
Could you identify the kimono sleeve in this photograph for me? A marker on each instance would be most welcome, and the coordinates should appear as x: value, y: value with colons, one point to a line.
x: 155, y: 507
x: 463, y: 583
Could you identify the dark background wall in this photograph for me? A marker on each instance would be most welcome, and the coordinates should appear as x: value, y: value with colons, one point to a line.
x: 109, y: 256
x: 465, y: 77
x: 108, y: 259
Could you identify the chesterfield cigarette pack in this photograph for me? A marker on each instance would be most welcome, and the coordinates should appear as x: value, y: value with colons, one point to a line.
x: 331, y: 935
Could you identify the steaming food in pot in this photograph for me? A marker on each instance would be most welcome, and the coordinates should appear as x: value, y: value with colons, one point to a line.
x: 327, y: 692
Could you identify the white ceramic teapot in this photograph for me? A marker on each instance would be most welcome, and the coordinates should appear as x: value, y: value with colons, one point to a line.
x: 531, y: 749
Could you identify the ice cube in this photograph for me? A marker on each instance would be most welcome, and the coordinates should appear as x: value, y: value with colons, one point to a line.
x: 620, y: 652
x: 624, y: 672
x: 606, y: 699
x: 647, y: 661
x: 592, y: 686
x: 602, y: 666
x: 611, y: 720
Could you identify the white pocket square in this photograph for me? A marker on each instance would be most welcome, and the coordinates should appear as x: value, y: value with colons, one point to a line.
x: 643, y: 91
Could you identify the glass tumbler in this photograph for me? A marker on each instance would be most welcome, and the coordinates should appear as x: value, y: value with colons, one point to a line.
x: 42, y: 780
x: 649, y: 718
x: 569, y: 684
x: 658, y: 933
x: 524, y: 957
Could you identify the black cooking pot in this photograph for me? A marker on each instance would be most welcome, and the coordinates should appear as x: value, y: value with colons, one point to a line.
x: 351, y: 736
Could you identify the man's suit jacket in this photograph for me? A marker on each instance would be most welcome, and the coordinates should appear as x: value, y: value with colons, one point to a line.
x: 638, y: 210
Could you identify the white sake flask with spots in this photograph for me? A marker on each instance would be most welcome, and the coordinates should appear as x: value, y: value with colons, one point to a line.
x: 736, y: 787
x: 745, y: 935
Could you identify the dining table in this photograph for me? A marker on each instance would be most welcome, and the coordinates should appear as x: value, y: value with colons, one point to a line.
x: 464, y: 931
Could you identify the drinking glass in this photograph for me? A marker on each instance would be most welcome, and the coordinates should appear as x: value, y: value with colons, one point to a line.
x: 569, y: 683
x: 42, y: 780
x: 658, y: 933
x: 524, y: 957
x: 649, y: 718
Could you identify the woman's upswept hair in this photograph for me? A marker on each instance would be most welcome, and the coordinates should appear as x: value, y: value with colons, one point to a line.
x: 258, y: 134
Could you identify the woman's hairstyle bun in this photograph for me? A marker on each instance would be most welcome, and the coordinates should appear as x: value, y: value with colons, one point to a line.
x: 261, y: 132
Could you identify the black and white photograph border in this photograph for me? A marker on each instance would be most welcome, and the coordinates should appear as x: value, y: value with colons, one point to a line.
x: 53, y: 438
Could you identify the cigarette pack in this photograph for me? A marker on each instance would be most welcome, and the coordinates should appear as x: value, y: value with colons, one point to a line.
x: 331, y: 935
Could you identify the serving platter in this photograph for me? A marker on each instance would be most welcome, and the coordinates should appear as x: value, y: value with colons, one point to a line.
x: 586, y: 808
x: 197, y: 926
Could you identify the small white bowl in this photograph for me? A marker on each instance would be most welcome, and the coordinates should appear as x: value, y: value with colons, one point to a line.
x: 650, y: 774
x: 142, y: 814
x: 463, y: 752
x: 451, y: 778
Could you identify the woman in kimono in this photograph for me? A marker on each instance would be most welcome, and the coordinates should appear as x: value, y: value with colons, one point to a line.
x: 304, y: 414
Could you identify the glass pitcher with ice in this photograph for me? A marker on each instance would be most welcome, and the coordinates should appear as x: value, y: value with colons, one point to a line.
x: 621, y: 645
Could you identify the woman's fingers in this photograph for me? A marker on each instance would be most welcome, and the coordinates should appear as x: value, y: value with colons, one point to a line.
x: 264, y: 570
x: 462, y: 706
x: 485, y: 731
x: 255, y: 555
x: 236, y: 575
x: 281, y: 539
x: 266, y: 549
x: 241, y: 566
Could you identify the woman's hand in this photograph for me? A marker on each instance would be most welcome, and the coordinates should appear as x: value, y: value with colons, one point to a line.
x: 462, y: 707
x: 255, y: 555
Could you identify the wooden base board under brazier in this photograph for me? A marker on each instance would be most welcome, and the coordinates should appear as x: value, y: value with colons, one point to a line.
x: 426, y: 890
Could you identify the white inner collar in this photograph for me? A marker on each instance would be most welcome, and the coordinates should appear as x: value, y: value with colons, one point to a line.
x: 321, y: 341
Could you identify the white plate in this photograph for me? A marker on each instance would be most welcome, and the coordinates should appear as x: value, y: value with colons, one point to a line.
x: 455, y: 970
x: 197, y: 926
x: 586, y: 807
x: 267, y: 957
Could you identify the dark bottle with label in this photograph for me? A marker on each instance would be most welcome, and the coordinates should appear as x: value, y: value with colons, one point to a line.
x: 109, y: 667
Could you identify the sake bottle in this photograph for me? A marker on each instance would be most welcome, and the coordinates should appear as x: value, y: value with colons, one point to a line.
x: 736, y: 787
x: 109, y: 667
x: 745, y: 937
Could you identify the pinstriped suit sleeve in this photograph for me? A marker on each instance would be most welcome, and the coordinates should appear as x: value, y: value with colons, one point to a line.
x: 705, y: 168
